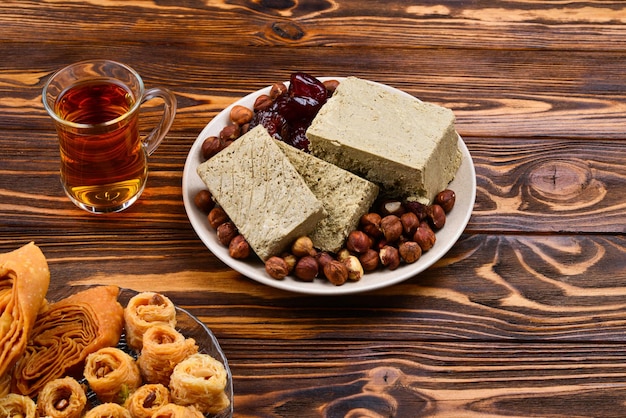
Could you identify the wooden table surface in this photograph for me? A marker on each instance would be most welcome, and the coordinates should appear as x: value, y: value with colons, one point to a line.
x: 526, y: 314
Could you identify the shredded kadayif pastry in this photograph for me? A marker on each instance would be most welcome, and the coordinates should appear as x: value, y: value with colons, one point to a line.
x: 64, y: 334
x: 163, y: 348
x: 14, y: 405
x: 108, y: 410
x: 142, y: 312
x: 177, y: 411
x: 24, y: 281
x: 112, y: 374
x: 200, y: 381
x: 146, y: 400
x: 62, y: 398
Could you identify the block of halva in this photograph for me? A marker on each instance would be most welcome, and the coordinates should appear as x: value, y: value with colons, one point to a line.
x: 262, y: 193
x: 345, y: 196
x: 408, y: 147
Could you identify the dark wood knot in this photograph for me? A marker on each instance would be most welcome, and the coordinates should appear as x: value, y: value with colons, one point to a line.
x: 565, y: 184
x: 288, y: 30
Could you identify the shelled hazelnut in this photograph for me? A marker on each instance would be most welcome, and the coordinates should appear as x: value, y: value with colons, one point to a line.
x: 240, y: 115
x: 370, y: 224
x: 239, y: 248
x: 262, y: 102
x: 216, y: 217
x: 446, y: 199
x: 369, y: 260
x: 226, y: 232
x: 355, y: 269
x: 323, y: 258
x: 204, y: 201
x: 409, y: 251
x: 336, y: 272
x: 424, y: 236
x: 436, y: 216
x: 230, y: 132
x: 391, y: 227
x: 389, y: 257
x: 277, y: 89
x: 277, y: 267
x: 306, y: 268
x: 392, y: 207
x: 211, y: 146
x: 303, y: 246
x: 410, y: 222
x: 358, y: 242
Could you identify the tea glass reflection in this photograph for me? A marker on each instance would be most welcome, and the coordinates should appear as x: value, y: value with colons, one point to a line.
x: 95, y: 107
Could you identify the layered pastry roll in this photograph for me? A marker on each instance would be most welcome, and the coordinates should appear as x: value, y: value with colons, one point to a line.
x: 146, y: 400
x: 14, y: 405
x: 62, y: 398
x: 177, y: 411
x: 112, y: 374
x: 163, y: 348
x: 108, y: 410
x: 200, y: 380
x: 143, y: 311
x: 64, y: 334
x: 24, y: 281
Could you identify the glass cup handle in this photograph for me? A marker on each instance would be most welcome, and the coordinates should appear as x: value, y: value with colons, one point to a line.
x: 155, y: 137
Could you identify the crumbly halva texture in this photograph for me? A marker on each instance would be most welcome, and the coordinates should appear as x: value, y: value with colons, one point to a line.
x: 262, y: 193
x: 408, y: 147
x: 345, y: 196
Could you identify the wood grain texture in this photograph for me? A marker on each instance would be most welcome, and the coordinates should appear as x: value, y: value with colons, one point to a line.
x: 526, y: 314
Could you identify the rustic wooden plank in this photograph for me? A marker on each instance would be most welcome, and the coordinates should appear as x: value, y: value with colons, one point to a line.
x: 428, y: 379
x: 523, y: 185
x: 558, y: 94
x: 487, y: 288
x: 539, y: 25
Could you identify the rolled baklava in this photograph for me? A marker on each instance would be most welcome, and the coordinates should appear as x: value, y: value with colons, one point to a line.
x: 146, y: 400
x: 177, y: 411
x: 112, y: 374
x: 14, y: 405
x: 200, y: 380
x: 163, y: 348
x: 143, y: 311
x: 108, y: 410
x: 62, y: 398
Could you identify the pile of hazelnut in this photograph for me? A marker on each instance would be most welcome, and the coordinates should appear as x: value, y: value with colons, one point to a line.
x: 397, y: 232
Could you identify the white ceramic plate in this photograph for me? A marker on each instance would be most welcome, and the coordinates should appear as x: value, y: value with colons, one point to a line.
x: 464, y: 185
x: 186, y: 324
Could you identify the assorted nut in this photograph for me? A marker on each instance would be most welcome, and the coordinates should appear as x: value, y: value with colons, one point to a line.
x: 379, y: 241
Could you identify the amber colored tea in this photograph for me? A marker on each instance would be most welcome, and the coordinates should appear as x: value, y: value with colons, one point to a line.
x: 95, y: 106
x: 106, y: 165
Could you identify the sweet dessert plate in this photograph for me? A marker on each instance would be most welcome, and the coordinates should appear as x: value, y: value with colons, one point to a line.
x: 464, y: 185
x: 186, y: 324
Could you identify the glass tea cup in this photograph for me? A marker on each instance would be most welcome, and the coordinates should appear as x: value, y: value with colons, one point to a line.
x: 95, y: 107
